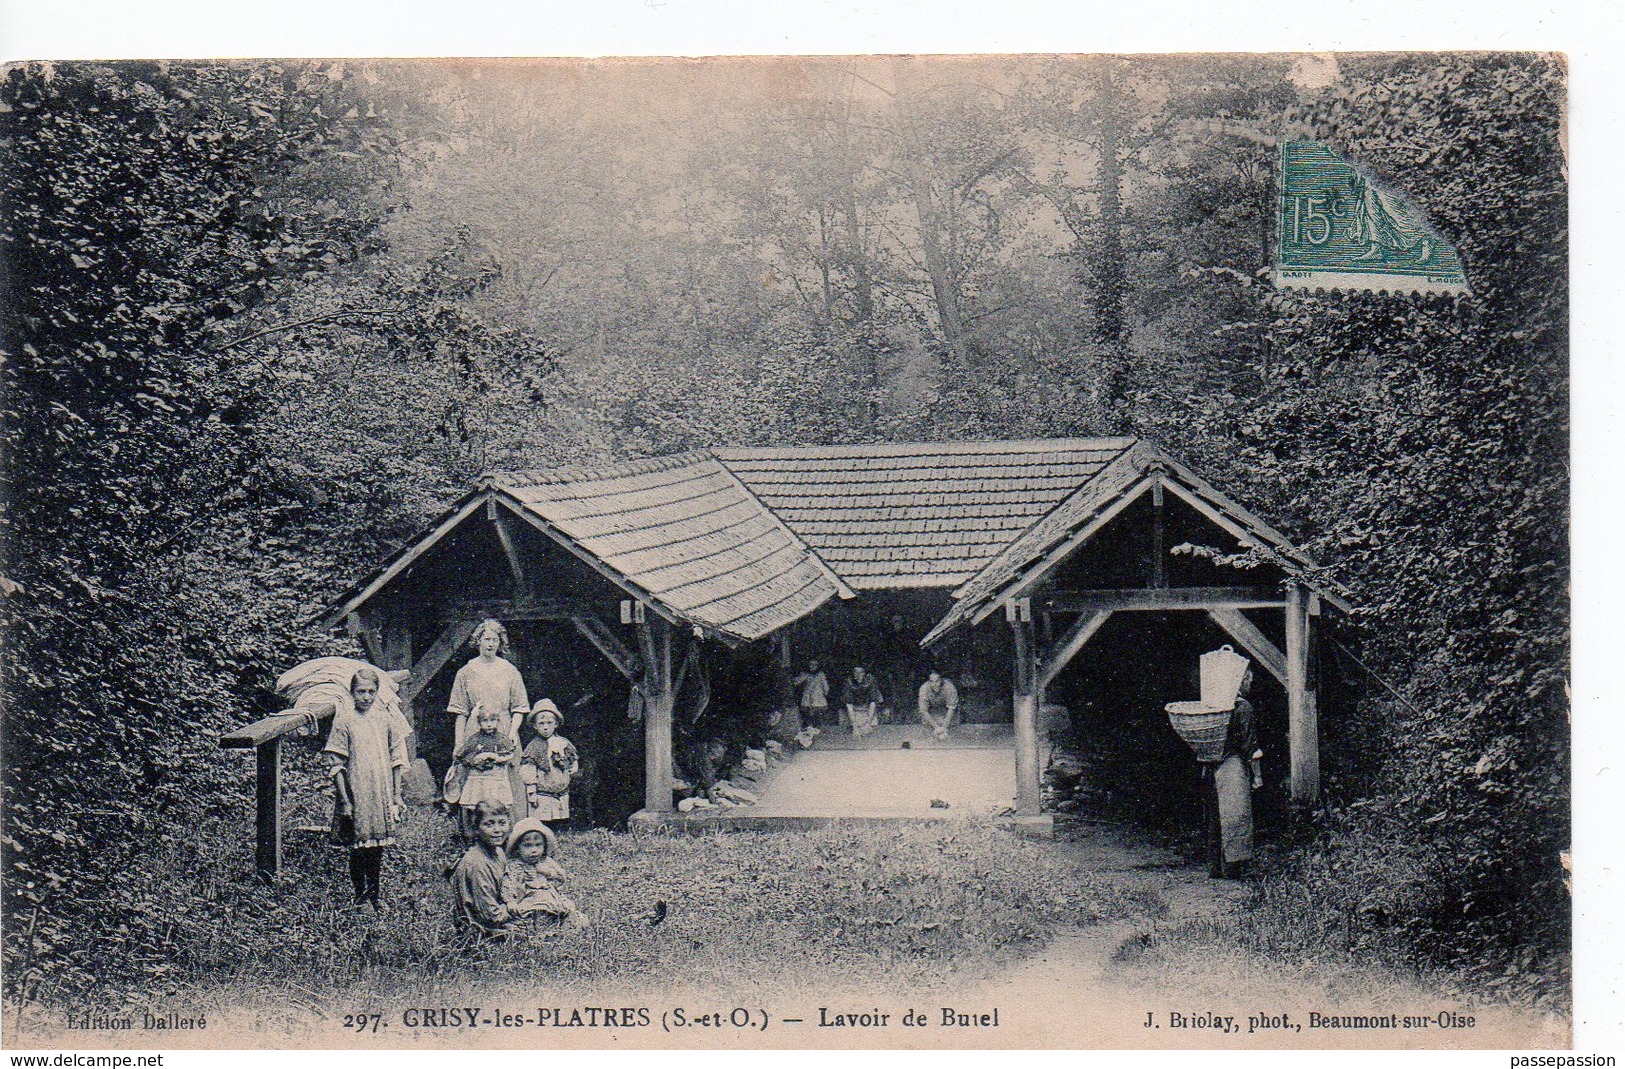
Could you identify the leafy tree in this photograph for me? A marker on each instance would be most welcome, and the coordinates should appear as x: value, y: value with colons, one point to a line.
x: 145, y: 209
x: 1462, y: 465
x: 1418, y: 445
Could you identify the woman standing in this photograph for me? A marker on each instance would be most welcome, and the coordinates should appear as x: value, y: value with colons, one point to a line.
x: 491, y: 680
x: 1227, y: 791
x: 367, y: 753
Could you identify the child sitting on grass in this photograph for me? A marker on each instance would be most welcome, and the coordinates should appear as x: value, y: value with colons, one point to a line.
x: 529, y: 882
x: 480, y: 771
x: 477, y: 879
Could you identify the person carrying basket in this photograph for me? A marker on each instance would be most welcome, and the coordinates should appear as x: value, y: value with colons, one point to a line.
x: 1221, y: 730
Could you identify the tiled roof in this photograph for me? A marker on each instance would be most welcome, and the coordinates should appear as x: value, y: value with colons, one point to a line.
x: 743, y: 541
x: 916, y: 514
x: 687, y: 533
x: 1036, y: 548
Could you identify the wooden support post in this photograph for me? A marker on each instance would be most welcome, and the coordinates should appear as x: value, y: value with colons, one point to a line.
x: 268, y: 808
x: 1159, y: 537
x: 396, y: 643
x: 366, y: 631
x: 1019, y: 612
x: 646, y: 647
x: 1303, y: 725
x: 654, y: 635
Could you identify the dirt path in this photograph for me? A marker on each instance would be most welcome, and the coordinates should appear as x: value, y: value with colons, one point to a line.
x: 1123, y: 983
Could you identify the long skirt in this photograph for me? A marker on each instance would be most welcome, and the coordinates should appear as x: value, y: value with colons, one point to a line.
x: 1233, y: 796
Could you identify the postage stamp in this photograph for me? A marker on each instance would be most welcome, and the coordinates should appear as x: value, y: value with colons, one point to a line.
x: 848, y: 552
x: 1341, y: 228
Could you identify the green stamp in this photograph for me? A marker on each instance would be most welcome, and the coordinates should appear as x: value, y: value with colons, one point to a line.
x: 1339, y: 228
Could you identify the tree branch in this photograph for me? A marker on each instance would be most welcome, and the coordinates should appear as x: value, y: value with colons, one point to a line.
x: 327, y: 318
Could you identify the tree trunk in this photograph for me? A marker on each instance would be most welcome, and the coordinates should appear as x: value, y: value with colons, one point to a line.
x: 943, y: 290
x: 1108, y: 270
x: 862, y: 278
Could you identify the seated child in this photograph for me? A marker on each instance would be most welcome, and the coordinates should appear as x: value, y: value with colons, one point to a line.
x: 477, y: 879
x: 479, y: 772
x: 529, y: 883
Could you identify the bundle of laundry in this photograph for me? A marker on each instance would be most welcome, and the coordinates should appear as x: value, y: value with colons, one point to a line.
x: 727, y: 792
x: 313, y: 684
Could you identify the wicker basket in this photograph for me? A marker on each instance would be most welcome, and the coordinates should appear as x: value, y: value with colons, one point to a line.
x: 1201, y: 726
x: 1221, y: 677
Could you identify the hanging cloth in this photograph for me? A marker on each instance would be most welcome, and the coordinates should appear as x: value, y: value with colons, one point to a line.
x: 697, y: 678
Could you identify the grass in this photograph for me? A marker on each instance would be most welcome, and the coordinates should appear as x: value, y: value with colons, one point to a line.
x: 920, y: 905
x: 1294, y: 937
x: 858, y: 909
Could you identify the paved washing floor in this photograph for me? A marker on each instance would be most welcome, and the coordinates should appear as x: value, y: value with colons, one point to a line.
x: 975, y: 780
x: 893, y: 737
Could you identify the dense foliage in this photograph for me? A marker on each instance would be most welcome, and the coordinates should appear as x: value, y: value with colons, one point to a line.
x: 262, y: 320
x: 1448, y: 501
x: 166, y: 548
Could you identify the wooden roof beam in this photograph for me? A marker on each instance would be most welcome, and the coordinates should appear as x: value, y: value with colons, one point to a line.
x: 1260, y: 537
x: 1035, y: 573
x: 585, y: 556
x: 1251, y: 639
x: 405, y: 558
x: 1067, y: 646
x: 606, y: 642
x: 510, y: 547
x: 526, y: 607
x: 1152, y: 599
x: 444, y: 648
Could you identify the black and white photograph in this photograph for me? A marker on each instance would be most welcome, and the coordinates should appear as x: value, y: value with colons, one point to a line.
x: 1035, y: 551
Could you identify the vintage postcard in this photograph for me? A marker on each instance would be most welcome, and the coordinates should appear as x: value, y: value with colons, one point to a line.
x: 846, y: 552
